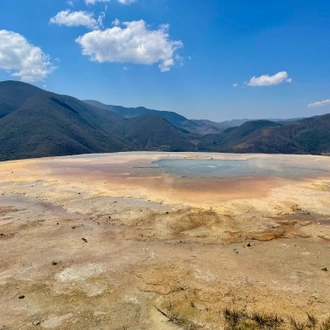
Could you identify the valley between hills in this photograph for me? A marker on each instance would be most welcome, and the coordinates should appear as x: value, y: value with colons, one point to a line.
x: 117, y: 241
x: 36, y: 123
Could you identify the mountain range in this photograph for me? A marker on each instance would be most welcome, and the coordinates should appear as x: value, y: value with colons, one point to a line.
x: 37, y: 123
x: 201, y: 127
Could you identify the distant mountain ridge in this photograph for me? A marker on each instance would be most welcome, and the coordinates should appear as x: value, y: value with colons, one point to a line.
x: 197, y: 126
x: 170, y: 116
x: 37, y: 123
x: 305, y: 136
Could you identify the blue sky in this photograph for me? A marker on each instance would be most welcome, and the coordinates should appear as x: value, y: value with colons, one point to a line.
x: 206, y: 59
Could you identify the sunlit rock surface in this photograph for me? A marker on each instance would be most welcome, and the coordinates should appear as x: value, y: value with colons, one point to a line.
x: 162, y: 240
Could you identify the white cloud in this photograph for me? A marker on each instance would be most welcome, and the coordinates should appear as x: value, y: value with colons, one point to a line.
x: 22, y: 59
x: 92, y: 2
x: 132, y: 43
x: 77, y: 18
x: 116, y: 22
x: 100, y: 19
x: 71, y: 3
x: 179, y: 60
x: 319, y: 104
x: 126, y: 2
x: 235, y: 85
x: 267, y: 80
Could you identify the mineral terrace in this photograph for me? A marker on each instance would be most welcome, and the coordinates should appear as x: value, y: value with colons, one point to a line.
x: 112, y: 241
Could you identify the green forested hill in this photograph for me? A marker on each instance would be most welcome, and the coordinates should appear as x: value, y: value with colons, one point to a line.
x: 40, y: 123
x: 37, y: 123
x: 152, y: 132
x: 305, y: 136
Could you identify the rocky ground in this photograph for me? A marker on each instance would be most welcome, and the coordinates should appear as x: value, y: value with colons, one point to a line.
x: 112, y: 242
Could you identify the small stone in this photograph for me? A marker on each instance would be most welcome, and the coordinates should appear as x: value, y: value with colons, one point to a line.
x: 84, y: 239
x: 21, y: 297
x: 249, y: 244
x: 36, y: 322
x: 325, y: 269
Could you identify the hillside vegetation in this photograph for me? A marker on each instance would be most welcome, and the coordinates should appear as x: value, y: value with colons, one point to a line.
x: 305, y: 136
x: 37, y: 123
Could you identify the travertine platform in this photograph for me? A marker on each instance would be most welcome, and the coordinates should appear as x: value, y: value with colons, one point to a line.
x: 116, y: 242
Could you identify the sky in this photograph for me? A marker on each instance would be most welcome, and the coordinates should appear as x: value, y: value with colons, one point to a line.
x: 210, y: 59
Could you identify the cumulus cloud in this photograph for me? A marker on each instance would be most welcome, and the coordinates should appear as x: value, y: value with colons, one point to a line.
x: 77, y: 18
x: 235, y: 85
x: 22, y: 59
x: 319, y: 104
x: 132, y: 42
x: 267, y: 80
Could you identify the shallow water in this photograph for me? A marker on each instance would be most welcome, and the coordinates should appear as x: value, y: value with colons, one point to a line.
x: 234, y: 168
